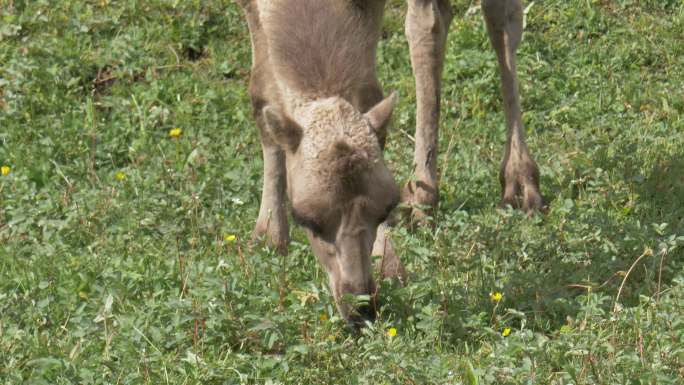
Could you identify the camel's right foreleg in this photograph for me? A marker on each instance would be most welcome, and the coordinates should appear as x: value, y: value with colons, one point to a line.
x: 272, y: 220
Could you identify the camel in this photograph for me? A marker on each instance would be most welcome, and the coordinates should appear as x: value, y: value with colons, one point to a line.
x: 323, y: 122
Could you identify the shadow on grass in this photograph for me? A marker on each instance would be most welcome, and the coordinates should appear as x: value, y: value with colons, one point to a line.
x: 664, y: 191
x: 558, y: 266
x: 609, y: 241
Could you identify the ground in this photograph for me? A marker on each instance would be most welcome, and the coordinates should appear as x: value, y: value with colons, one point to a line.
x: 125, y: 255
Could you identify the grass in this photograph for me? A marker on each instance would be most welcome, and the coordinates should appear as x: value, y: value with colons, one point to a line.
x: 118, y: 262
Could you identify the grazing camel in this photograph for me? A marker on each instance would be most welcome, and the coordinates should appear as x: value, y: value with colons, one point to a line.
x: 323, y: 121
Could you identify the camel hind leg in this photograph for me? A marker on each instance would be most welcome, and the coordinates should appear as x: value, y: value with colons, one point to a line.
x: 519, y: 175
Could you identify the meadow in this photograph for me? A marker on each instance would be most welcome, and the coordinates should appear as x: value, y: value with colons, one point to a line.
x: 124, y: 244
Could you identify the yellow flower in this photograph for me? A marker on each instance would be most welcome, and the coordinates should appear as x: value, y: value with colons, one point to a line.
x: 323, y: 317
x: 82, y: 295
x: 495, y: 296
x: 120, y: 176
x: 5, y: 170
x: 229, y: 237
x: 506, y: 332
x: 175, y: 133
x: 392, y: 332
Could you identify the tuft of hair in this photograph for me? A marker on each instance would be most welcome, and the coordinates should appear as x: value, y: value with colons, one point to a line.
x: 347, y: 165
x: 318, y: 46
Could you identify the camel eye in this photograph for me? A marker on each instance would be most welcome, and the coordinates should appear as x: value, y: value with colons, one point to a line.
x: 306, y: 222
x: 388, y: 211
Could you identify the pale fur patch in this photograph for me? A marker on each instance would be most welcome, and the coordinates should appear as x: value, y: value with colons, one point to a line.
x: 327, y: 121
x: 321, y: 47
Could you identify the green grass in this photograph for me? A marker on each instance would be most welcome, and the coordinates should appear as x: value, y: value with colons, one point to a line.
x: 108, y: 281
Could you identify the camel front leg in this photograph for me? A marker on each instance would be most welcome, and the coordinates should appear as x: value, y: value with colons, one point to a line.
x: 519, y: 175
x: 427, y: 25
x: 272, y: 221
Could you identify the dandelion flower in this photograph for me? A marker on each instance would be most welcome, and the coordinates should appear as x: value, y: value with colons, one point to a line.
x: 5, y: 170
x: 323, y: 317
x: 120, y: 176
x: 506, y: 332
x: 392, y: 332
x: 496, y: 296
x: 175, y: 133
x: 229, y: 237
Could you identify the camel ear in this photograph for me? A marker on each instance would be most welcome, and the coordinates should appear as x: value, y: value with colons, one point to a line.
x: 284, y: 131
x: 379, y: 116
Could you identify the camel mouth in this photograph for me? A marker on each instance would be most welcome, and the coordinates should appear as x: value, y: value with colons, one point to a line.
x: 360, y: 315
